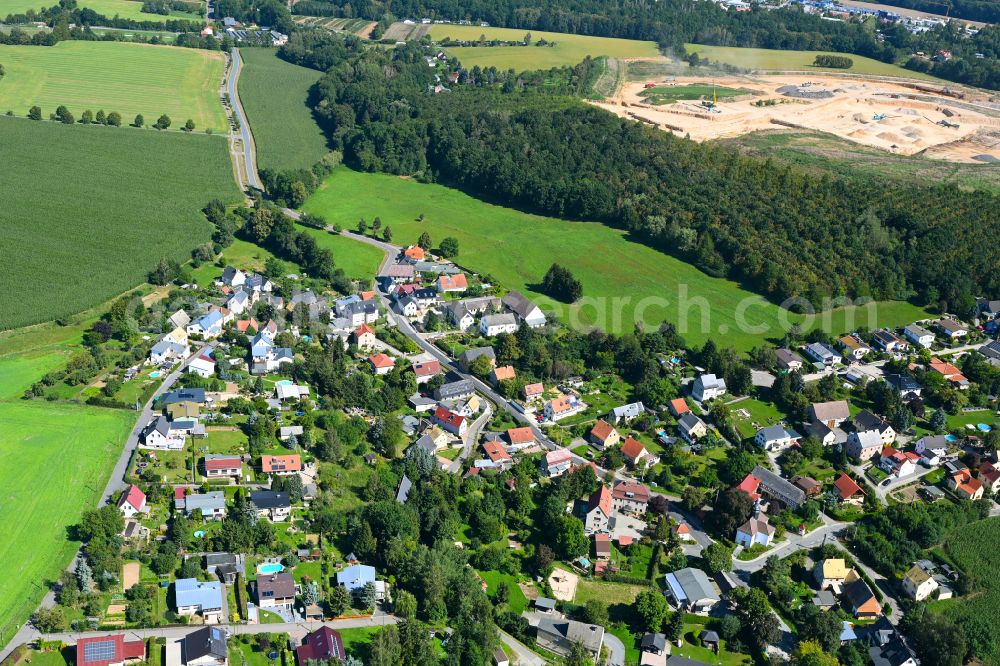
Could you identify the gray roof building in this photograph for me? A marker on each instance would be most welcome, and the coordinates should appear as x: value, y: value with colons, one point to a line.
x: 455, y: 390
x: 560, y: 635
x: 778, y: 488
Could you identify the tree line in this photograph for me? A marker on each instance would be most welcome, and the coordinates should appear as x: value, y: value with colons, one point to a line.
x: 784, y: 232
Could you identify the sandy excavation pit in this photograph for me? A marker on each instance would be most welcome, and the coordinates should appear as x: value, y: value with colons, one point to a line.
x: 900, y: 118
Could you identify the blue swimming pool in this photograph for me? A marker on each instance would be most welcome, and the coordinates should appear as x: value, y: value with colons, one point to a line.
x: 951, y: 438
x: 284, y: 382
x: 199, y: 534
x: 154, y: 374
x: 983, y: 427
x: 275, y: 567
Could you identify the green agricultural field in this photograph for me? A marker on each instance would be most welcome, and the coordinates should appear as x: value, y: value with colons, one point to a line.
x: 45, y: 490
x: 116, y: 76
x: 778, y: 60
x: 126, y: 9
x: 623, y: 281
x: 92, y: 219
x: 274, y: 94
x: 568, y: 49
x: 973, y: 549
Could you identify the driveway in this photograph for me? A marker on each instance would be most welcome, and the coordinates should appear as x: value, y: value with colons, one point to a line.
x: 522, y: 655
x: 616, y: 649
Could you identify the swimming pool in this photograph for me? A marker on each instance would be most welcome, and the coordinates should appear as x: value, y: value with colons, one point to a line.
x: 950, y: 438
x: 199, y: 534
x: 154, y: 374
x: 284, y: 382
x: 275, y: 567
x: 983, y: 427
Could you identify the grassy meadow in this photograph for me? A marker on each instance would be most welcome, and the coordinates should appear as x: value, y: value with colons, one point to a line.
x: 44, y: 489
x: 92, y: 219
x: 568, y: 49
x: 274, y: 95
x: 126, y: 9
x: 820, y: 152
x: 623, y: 281
x: 116, y: 76
x: 357, y: 259
x: 777, y: 60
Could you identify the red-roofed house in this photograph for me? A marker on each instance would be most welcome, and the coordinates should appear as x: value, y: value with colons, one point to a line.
x: 603, y: 435
x: 521, y: 436
x: 452, y: 283
x: 382, y: 364
x: 247, y: 326
x: 424, y: 371
x: 111, y: 650
x: 679, y: 407
x: 502, y: 374
x: 599, y: 508
x: 636, y: 454
x: 557, y: 462
x: 496, y: 452
x: 989, y: 476
x: 848, y: 491
x: 897, y: 463
x: 749, y: 485
x: 414, y: 253
x: 965, y: 486
x: 950, y: 372
x: 450, y: 421
x: 602, y: 547
x: 364, y: 337
x: 281, y: 465
x: 217, y: 466
x: 532, y: 391
x: 324, y: 645
x: 682, y: 532
x: 132, y: 501
x: 630, y: 497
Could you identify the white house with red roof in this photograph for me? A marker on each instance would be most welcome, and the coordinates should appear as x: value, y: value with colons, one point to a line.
x: 454, y: 423
x: 557, y: 463
x: 897, y: 463
x: 425, y: 370
x: 600, y: 506
x: 497, y: 454
x: 603, y: 435
x: 848, y: 490
x: 989, y: 476
x: 533, y: 391
x: 521, y: 436
x: 132, y: 501
x: 364, y: 337
x: 220, y: 465
x: 447, y: 284
x: 382, y: 364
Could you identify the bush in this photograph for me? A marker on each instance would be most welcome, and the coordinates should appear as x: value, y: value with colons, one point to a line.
x: 833, y: 62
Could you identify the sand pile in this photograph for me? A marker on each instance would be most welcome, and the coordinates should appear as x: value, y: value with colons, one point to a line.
x: 890, y: 136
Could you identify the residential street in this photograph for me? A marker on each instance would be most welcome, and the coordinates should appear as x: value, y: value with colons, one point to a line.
x: 471, y: 437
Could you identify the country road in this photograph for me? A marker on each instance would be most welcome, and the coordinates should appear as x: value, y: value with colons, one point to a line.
x: 246, y: 136
x: 116, y: 482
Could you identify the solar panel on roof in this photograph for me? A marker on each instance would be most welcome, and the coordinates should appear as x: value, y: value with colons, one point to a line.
x: 99, y: 651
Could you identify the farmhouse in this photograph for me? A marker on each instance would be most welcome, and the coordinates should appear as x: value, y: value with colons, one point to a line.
x: 777, y: 488
x: 527, y: 312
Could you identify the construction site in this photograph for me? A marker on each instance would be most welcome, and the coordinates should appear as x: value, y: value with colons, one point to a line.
x: 902, y: 117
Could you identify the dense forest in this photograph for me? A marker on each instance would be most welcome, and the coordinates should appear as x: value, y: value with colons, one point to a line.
x: 786, y: 234
x: 672, y: 23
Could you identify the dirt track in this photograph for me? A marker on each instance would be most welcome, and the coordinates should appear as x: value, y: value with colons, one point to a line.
x: 892, y: 116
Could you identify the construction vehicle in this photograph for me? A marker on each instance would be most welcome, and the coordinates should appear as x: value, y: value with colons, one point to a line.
x: 948, y: 123
x: 649, y: 85
x: 878, y: 116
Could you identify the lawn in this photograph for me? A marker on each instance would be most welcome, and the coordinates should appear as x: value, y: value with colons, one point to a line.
x: 90, y: 220
x: 46, y: 490
x: 126, y: 9
x: 670, y: 94
x: 623, y: 283
x: 275, y: 95
x: 516, y: 599
x: 778, y: 60
x: 609, y: 593
x: 357, y: 259
x: 568, y: 49
x: 116, y: 76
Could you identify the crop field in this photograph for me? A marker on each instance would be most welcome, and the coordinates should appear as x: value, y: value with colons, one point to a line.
x: 126, y: 9
x: 777, y: 60
x: 623, y: 281
x: 354, y: 26
x: 92, y: 219
x: 568, y: 49
x: 274, y: 95
x: 973, y: 547
x: 116, y: 76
